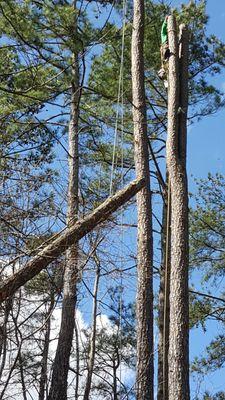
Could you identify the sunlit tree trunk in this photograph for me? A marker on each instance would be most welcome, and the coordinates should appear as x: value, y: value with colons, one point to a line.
x: 144, y: 379
x: 176, y: 162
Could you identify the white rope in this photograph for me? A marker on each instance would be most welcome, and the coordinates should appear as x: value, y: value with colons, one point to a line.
x: 120, y: 113
x: 122, y: 238
x: 121, y: 301
x: 122, y: 184
x: 119, y: 105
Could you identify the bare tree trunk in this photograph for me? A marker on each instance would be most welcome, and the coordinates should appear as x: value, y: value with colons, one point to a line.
x: 91, y: 356
x: 22, y: 378
x: 115, y: 367
x: 3, y: 333
x: 58, y: 389
x: 176, y: 162
x: 144, y: 379
x: 44, y: 361
x: 64, y: 240
x: 163, y: 311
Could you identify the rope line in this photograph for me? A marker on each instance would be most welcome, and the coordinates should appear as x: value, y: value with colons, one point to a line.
x: 122, y: 209
x: 118, y: 143
x: 119, y: 106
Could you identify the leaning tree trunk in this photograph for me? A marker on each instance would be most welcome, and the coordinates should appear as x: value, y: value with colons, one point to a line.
x: 63, y: 240
x: 176, y: 162
x: 58, y: 390
x: 144, y: 379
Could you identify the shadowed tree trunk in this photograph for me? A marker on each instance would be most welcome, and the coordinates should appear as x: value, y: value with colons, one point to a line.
x: 176, y: 162
x: 4, y: 315
x: 163, y: 310
x: 144, y: 379
x: 115, y: 366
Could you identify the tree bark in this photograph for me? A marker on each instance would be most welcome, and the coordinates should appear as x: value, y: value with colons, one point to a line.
x: 65, y: 239
x: 144, y: 378
x: 58, y: 389
x: 176, y: 162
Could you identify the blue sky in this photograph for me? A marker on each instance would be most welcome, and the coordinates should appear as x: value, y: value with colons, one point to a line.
x: 206, y: 138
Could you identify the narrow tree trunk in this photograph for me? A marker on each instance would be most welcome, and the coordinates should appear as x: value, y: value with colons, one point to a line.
x: 44, y: 361
x: 144, y: 379
x: 58, y: 390
x: 163, y: 311
x: 3, y: 334
x: 115, y: 366
x: 91, y: 356
x: 22, y: 378
x: 176, y: 162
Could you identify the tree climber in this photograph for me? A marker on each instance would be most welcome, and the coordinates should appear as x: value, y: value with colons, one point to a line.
x: 165, y: 53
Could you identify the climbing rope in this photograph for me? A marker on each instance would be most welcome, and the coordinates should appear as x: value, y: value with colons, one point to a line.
x: 119, y: 142
x: 119, y: 106
x: 163, y: 74
x: 122, y: 184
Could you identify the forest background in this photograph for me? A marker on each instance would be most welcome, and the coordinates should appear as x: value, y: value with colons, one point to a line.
x: 35, y: 195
